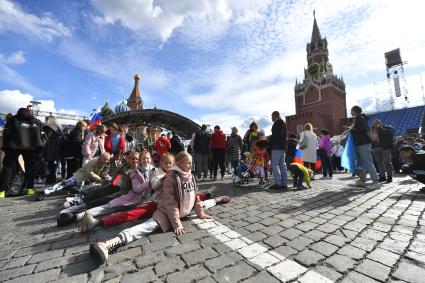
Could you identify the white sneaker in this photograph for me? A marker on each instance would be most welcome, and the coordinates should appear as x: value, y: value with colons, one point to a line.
x: 360, y: 183
x: 73, y: 201
x: 237, y: 179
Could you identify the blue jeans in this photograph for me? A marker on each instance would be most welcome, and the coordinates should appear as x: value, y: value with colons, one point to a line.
x: 365, y: 160
x: 279, y: 167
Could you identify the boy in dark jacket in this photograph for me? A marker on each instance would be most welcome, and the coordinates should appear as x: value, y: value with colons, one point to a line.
x: 278, y: 146
x: 201, y: 147
x: 383, y: 136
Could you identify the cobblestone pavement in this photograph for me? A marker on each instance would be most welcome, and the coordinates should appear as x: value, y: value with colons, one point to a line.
x: 332, y: 232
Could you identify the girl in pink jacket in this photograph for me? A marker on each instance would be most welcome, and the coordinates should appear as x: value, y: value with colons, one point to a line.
x: 140, y: 190
x: 178, y: 198
x: 93, y: 142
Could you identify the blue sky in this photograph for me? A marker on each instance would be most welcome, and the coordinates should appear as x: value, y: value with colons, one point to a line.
x: 223, y: 62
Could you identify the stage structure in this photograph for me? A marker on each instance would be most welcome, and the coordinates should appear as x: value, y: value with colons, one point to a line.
x: 395, y: 70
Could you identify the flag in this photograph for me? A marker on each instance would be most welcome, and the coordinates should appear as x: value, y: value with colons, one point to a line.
x: 298, y: 159
x: 2, y: 122
x: 348, y: 157
x: 95, y: 119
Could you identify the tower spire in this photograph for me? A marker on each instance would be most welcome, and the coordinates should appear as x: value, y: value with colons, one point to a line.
x: 315, y: 35
x: 135, y: 101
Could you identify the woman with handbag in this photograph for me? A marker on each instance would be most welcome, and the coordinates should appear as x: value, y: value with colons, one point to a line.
x: 308, y: 147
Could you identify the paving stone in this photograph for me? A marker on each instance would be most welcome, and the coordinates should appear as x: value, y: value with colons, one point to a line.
x: 116, y: 270
x: 328, y: 228
x: 285, y: 251
x: 324, y: 248
x: 56, y: 262
x: 275, y: 241
x: 192, y: 274
x: 264, y: 260
x: 199, y: 256
x: 308, y: 257
x: 169, y: 266
x: 252, y: 250
x: 272, y: 230
x: 15, y: 272
x: 183, y: 248
x: 206, y: 280
x: 256, y: 236
x: 46, y: 255
x: 149, y: 259
x: 373, y: 234
x: 234, y: 273
x: 13, y: 263
x: 300, y: 243
x: 341, y: 263
x: 287, y: 270
x: 336, y: 240
x: 312, y: 276
x: 78, y: 268
x: 383, y: 256
x: 373, y: 269
x: 288, y: 223
x: 352, y: 252
x: 409, y: 272
x: 124, y: 255
x: 328, y: 272
x: 222, y: 261
x: 145, y: 275
x: 263, y: 277
x: 394, y: 245
x: 306, y: 226
x: 291, y: 233
x: 82, y: 278
x: 355, y: 277
x: 315, y: 235
x: 153, y: 247
x: 415, y: 256
x: 363, y: 243
x: 45, y: 276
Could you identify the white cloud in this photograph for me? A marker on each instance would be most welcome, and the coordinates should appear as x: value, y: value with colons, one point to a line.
x: 15, y: 58
x: 200, y: 20
x: 14, y: 19
x: 12, y: 100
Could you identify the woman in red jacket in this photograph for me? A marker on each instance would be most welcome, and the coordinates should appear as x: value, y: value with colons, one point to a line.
x: 114, y: 141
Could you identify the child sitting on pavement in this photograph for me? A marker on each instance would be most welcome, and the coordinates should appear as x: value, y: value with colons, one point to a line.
x: 96, y: 169
x: 140, y: 189
x: 178, y: 198
x: 147, y: 208
x: 300, y: 173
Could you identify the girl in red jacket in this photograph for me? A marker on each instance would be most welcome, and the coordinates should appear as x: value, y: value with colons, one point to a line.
x: 114, y: 141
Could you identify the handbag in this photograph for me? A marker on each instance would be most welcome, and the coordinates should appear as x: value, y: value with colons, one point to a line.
x: 304, y: 144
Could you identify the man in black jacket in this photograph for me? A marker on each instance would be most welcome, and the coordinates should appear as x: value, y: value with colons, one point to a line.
x: 278, y: 146
x: 201, y: 146
x: 383, y: 136
x: 363, y: 146
x: 415, y: 165
x: 22, y: 136
x: 73, y: 148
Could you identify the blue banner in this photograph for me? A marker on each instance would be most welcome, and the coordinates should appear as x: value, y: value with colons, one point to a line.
x: 348, y: 158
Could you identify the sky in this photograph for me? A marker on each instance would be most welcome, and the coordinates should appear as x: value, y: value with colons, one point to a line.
x: 220, y: 62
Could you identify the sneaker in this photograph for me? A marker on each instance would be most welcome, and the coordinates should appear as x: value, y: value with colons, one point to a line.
x: 65, y: 219
x: 41, y: 196
x: 101, y: 250
x: 301, y: 188
x: 360, y: 183
x: 72, y: 201
x: 88, y: 222
x: 382, y: 179
x: 30, y: 192
x: 222, y: 200
x: 2, y: 194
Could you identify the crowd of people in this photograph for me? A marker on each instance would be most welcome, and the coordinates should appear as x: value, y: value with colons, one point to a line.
x: 113, y: 178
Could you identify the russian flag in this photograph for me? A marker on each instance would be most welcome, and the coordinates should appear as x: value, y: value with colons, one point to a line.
x: 95, y: 119
x: 298, y: 159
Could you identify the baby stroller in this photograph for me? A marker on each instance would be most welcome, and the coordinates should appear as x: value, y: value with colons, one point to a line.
x: 251, y: 168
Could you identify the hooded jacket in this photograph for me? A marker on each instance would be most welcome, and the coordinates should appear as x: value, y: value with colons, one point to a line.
x: 218, y: 140
x: 23, y: 132
x: 360, y: 130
